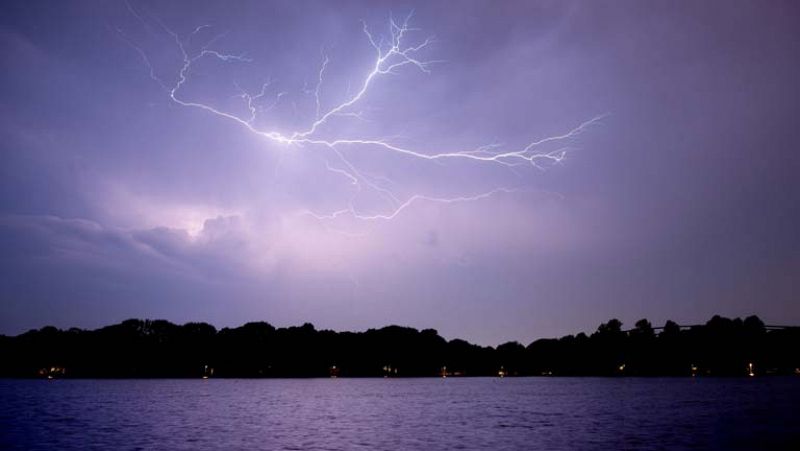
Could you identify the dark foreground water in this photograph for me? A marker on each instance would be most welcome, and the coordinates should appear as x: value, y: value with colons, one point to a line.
x: 401, y: 414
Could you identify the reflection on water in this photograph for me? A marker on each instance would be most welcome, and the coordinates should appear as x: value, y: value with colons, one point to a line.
x: 396, y: 414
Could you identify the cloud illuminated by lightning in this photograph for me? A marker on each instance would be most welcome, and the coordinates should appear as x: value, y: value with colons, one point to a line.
x: 391, y: 56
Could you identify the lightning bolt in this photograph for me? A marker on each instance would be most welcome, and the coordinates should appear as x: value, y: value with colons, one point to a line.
x: 391, y: 56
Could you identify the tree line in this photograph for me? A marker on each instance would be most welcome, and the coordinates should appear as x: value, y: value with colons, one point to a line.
x: 159, y: 348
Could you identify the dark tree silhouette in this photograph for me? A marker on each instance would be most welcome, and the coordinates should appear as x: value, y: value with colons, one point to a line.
x: 158, y: 348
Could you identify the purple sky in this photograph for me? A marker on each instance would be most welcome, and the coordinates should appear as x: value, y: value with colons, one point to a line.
x: 681, y: 201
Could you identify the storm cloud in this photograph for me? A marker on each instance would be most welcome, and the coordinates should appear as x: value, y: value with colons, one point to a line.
x: 680, y: 203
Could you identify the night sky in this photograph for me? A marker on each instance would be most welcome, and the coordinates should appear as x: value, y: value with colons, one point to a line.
x: 679, y: 199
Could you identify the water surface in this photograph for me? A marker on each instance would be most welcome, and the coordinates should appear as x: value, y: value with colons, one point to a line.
x: 399, y: 414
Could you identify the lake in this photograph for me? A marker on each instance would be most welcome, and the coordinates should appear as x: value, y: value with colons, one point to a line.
x: 402, y: 414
